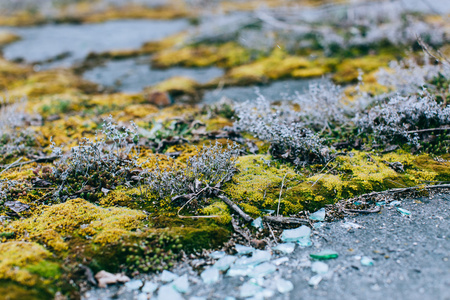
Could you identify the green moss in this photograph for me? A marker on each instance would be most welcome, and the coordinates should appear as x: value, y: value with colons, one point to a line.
x: 12, y: 290
x: 46, y: 269
x: 219, y: 209
x: 23, y: 262
x: 258, y: 184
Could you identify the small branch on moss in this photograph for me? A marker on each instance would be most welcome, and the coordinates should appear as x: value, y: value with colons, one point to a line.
x: 89, y: 274
x: 236, y: 208
x: 281, y: 191
x: 239, y: 230
x: 283, y: 220
x: 37, y: 160
x: 11, y: 165
x: 430, y: 129
x: 271, y: 232
x: 403, y: 190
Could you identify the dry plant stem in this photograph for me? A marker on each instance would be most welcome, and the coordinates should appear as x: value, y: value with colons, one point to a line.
x: 40, y: 159
x: 271, y: 232
x: 283, y: 220
x: 430, y: 129
x: 402, y: 190
x: 11, y: 165
x: 236, y: 208
x: 322, y: 171
x: 89, y: 274
x: 281, y: 191
x: 239, y: 230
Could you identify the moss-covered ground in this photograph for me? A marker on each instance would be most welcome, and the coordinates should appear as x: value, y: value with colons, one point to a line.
x: 122, y: 227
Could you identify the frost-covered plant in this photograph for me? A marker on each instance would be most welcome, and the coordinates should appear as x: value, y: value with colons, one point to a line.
x: 203, y: 174
x: 399, y: 118
x: 407, y: 76
x: 321, y: 106
x: 102, y: 162
x: 280, y: 126
x: 8, y: 189
x: 15, y: 138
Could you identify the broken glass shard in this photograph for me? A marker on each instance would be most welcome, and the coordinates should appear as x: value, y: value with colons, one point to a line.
x: 210, y: 275
x: 357, y: 203
x: 258, y: 223
x: 318, y: 215
x: 318, y: 225
x: 315, y: 280
x: 319, y: 267
x: 381, y: 203
x: 284, y: 286
x: 294, y: 235
x: 168, y: 276
x: 181, y: 284
x: 241, y: 249
x: 324, y: 255
x: 366, y: 261
x: 224, y: 263
x: 280, y: 260
x: 142, y: 296
x: 234, y: 271
x: 149, y: 287
x: 249, y: 289
x: 168, y: 292
x: 304, y: 242
x: 217, y: 254
x: 262, y: 270
x: 267, y: 211
x: 259, y: 256
x: 285, y: 248
x: 404, y: 211
x: 395, y: 203
x: 133, y: 284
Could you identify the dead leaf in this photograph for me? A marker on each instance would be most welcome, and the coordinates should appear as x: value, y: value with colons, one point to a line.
x: 104, y: 278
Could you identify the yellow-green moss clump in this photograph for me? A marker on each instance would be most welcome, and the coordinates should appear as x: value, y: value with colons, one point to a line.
x: 258, y: 184
x: 259, y: 181
x: 220, y: 210
x: 226, y: 56
x: 178, y: 86
x: 278, y: 65
x: 11, y: 72
x: 77, y: 217
x: 348, y: 70
x: 52, y: 82
x: 7, y: 37
x: 26, y: 263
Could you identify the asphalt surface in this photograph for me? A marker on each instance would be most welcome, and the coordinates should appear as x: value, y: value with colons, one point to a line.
x: 410, y: 260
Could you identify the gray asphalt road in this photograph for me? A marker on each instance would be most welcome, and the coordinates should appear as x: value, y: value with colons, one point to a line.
x: 410, y: 260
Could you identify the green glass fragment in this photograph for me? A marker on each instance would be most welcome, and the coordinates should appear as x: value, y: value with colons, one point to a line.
x: 324, y: 255
x: 404, y: 211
